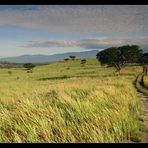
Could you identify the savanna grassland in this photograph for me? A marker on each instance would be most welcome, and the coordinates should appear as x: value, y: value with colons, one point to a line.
x: 68, y: 102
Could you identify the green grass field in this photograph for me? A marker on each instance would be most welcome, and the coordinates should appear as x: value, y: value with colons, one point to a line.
x: 67, y: 102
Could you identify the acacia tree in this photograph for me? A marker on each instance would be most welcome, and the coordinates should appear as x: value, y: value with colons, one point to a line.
x: 66, y: 59
x: 72, y: 57
x: 118, y: 56
x: 29, y: 66
x: 132, y: 53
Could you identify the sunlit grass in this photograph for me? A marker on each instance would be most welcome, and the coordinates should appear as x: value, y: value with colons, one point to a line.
x: 84, y: 104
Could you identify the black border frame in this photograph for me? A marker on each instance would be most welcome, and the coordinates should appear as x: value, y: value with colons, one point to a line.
x: 73, y: 2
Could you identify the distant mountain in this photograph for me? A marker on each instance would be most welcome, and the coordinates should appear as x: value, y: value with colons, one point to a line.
x: 49, y: 58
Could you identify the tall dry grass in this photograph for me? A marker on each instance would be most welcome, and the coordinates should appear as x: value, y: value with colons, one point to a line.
x: 73, y: 110
x: 65, y: 102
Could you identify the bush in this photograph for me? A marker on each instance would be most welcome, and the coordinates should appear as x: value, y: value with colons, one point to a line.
x: 83, y: 61
x: 9, y: 72
x: 66, y: 59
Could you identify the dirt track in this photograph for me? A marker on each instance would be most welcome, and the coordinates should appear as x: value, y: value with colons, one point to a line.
x: 144, y: 115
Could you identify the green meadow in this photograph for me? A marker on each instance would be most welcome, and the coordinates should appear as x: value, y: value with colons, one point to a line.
x: 67, y: 102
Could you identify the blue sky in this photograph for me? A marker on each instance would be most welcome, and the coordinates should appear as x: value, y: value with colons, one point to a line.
x: 51, y: 29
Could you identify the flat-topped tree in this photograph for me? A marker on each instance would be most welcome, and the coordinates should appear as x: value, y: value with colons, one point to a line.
x: 132, y: 53
x: 118, y: 56
x: 29, y: 67
x: 66, y: 59
x: 72, y: 57
x: 112, y: 57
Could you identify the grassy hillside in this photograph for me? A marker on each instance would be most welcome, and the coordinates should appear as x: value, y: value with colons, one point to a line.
x: 67, y: 102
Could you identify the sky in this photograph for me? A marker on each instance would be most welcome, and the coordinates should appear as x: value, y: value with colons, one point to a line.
x: 52, y: 29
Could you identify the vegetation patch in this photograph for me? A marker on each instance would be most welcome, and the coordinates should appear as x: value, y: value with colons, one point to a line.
x: 55, y: 78
x: 71, y: 107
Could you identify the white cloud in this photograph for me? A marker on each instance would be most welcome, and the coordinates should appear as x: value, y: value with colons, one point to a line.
x: 89, y: 43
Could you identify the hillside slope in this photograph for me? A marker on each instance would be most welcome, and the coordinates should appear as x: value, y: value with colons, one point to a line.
x: 49, y: 58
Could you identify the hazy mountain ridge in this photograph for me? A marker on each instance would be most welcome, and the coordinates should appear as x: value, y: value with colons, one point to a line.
x: 49, y: 58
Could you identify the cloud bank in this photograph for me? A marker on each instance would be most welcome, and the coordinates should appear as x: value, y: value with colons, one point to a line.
x: 78, y: 19
x: 113, y: 25
x: 96, y: 43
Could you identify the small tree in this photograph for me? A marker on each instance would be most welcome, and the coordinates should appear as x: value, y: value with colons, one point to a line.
x: 66, y: 59
x: 83, y: 61
x: 72, y: 57
x: 29, y: 67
